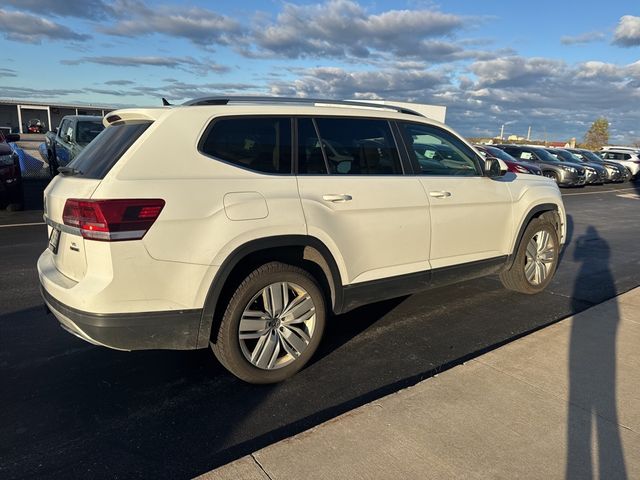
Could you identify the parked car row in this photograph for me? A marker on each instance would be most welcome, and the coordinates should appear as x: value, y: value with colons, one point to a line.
x: 569, y: 167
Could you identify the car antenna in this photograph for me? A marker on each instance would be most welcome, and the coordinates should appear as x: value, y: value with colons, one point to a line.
x: 165, y: 102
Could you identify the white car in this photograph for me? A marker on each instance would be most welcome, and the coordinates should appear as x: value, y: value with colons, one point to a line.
x: 243, y: 224
x: 627, y: 157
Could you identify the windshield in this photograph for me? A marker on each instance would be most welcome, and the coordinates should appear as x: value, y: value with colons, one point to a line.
x: 87, y: 131
x: 592, y: 157
x: 501, y: 154
x: 565, y: 156
x: 545, y: 156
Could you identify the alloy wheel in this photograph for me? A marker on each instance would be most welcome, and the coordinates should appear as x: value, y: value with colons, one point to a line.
x: 540, y: 255
x: 277, y: 325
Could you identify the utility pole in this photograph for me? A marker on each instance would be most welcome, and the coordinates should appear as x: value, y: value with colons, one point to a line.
x: 502, y: 132
x: 529, y: 133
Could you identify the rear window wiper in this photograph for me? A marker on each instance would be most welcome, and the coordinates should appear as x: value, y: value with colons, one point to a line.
x: 69, y: 171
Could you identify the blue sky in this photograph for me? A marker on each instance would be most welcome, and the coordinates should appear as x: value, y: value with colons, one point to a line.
x: 552, y: 65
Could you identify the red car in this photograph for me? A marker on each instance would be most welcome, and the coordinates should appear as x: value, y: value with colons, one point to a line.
x: 515, y: 166
x: 10, y: 177
x: 36, y: 126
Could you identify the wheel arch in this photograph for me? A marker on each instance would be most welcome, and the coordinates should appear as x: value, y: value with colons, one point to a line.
x: 535, y: 212
x: 302, y: 250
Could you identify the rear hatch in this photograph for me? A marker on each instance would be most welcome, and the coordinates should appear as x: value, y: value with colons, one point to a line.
x: 79, y: 180
x: 69, y: 249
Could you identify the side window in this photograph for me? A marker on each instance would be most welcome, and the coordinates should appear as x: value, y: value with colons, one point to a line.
x: 62, y: 130
x: 438, y: 152
x: 310, y: 158
x: 357, y: 146
x: 69, y: 131
x: 627, y: 156
x: 262, y: 144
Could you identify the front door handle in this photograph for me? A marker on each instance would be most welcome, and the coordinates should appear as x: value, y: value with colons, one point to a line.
x: 440, y: 194
x: 336, y: 197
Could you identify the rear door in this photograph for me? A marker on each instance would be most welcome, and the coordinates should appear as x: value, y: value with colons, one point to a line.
x: 357, y: 200
x: 471, y: 216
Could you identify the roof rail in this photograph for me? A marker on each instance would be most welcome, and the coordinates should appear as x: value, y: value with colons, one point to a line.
x: 302, y: 101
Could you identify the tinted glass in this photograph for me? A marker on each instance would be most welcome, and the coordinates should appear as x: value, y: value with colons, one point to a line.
x: 262, y: 144
x: 87, y: 131
x: 356, y: 146
x: 107, y: 148
x: 310, y: 157
x: 438, y: 152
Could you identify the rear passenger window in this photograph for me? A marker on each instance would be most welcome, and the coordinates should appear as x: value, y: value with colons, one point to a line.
x: 262, y: 144
x: 356, y: 146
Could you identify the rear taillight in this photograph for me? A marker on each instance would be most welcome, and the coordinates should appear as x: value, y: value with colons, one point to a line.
x: 112, y: 220
x: 521, y: 169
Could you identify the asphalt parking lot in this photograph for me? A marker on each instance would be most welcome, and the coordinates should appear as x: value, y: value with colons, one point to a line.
x: 71, y: 409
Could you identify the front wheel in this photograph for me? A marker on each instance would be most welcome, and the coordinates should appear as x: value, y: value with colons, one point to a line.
x: 272, y: 325
x: 552, y: 175
x: 536, y: 259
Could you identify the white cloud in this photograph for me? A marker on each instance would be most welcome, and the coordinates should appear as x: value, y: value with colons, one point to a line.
x: 627, y: 33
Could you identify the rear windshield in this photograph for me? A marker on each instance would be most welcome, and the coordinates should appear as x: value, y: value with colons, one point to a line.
x: 105, y: 150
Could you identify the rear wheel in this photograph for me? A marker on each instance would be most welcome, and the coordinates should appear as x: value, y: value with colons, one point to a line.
x: 272, y: 324
x: 536, y: 259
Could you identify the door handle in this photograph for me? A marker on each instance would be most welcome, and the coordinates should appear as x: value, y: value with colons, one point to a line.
x: 440, y: 194
x: 336, y: 197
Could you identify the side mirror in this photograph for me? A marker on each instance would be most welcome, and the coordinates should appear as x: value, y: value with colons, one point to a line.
x: 494, y: 167
x: 68, y: 138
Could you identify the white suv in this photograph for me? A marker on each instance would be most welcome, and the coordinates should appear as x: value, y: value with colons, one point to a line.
x: 243, y: 224
x: 627, y: 157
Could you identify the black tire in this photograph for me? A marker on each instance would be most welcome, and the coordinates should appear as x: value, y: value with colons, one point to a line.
x: 227, y: 348
x: 515, y: 278
x: 552, y: 175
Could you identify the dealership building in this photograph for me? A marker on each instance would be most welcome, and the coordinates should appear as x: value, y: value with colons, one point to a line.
x: 16, y: 114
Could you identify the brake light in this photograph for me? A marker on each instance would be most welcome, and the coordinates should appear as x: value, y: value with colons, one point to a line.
x: 521, y: 169
x: 112, y: 220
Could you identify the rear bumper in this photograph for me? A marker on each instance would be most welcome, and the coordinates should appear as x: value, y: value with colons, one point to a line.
x: 173, y: 330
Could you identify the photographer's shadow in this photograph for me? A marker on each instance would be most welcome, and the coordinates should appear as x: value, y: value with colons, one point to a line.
x: 592, y: 371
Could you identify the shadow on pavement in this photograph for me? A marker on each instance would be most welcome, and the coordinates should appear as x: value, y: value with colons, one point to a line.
x: 71, y: 409
x: 592, y: 371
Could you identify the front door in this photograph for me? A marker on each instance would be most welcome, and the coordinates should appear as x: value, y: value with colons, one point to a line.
x: 471, y: 216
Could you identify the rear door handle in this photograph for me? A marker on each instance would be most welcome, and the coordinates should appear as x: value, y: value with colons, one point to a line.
x: 336, y: 197
x: 440, y: 194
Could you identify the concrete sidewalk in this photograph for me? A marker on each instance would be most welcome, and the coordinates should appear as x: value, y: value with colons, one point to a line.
x: 563, y: 402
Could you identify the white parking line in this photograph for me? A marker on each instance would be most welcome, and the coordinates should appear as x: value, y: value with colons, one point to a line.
x: 617, y: 190
x: 21, y: 224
